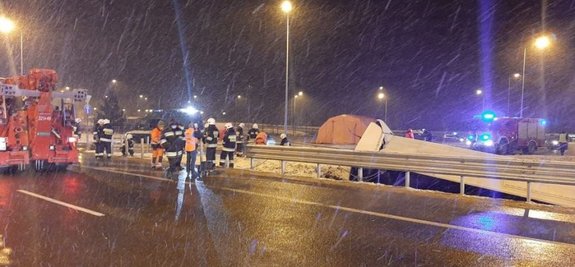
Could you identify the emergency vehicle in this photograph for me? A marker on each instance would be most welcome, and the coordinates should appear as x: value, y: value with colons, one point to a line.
x: 32, y: 130
x: 507, y: 135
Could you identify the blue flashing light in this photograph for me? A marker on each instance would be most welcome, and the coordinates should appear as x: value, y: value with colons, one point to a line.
x: 485, y: 137
x: 470, y: 137
x: 543, y: 122
x: 488, y: 116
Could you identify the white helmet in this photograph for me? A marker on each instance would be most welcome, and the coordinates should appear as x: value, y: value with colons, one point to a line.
x: 129, y: 136
x: 255, y: 126
x: 211, y: 121
x: 106, y: 121
x: 242, y: 125
x: 78, y: 120
x: 100, y: 121
x: 206, y: 125
x: 283, y: 135
x: 228, y: 125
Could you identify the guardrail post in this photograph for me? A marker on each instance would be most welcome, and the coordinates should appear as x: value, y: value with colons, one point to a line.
x: 318, y: 169
x: 251, y: 163
x: 528, y: 192
x: 142, y: 146
x: 283, y: 167
x: 407, y: 179
x: 360, y: 174
x: 461, y: 185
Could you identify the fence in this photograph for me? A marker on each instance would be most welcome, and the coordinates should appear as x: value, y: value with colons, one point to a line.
x: 529, y: 171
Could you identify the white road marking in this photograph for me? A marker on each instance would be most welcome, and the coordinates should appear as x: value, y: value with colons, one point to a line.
x: 95, y: 213
x: 371, y: 213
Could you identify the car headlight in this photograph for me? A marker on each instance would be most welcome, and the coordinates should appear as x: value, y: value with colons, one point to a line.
x: 468, y: 142
x: 488, y: 143
x: 554, y: 142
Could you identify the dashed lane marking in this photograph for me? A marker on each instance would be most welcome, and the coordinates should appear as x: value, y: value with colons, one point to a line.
x: 91, y: 212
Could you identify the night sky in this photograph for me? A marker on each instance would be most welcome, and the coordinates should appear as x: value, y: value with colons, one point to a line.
x: 430, y: 55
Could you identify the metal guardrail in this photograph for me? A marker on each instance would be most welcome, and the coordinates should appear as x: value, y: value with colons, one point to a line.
x: 492, y: 167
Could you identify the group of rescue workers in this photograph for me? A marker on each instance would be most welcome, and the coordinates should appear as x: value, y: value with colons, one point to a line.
x: 173, y: 141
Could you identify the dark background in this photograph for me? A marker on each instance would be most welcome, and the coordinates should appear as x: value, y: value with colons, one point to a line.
x: 430, y: 55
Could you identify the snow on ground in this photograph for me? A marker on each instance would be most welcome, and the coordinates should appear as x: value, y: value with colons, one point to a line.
x: 295, y: 168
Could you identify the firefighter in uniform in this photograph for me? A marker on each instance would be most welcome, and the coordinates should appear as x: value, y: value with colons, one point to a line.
x: 130, y: 149
x: 106, y: 138
x: 240, y: 140
x: 211, y: 140
x: 229, y: 146
x: 180, y: 132
x: 191, y: 148
x: 253, y: 132
x: 157, y: 150
x: 284, y: 140
x: 173, y: 142
x: 96, y: 136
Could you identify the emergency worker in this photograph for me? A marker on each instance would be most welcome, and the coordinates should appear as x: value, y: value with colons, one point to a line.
x: 284, y: 140
x: 76, y: 127
x: 409, y: 134
x: 130, y: 142
x: 96, y: 136
x: 253, y: 132
x: 229, y: 146
x: 173, y: 143
x: 563, y: 142
x: 106, y: 138
x: 240, y: 137
x: 262, y: 138
x: 157, y: 150
x: 211, y: 134
x: 192, y: 141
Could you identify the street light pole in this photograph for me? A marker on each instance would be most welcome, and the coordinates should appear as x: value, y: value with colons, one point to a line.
x: 286, y: 8
x: 21, y: 53
x: 523, y: 83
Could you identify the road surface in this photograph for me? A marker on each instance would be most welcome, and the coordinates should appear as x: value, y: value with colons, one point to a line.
x: 120, y: 213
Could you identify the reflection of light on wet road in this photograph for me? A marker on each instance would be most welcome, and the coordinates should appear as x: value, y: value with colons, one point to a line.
x: 91, y: 212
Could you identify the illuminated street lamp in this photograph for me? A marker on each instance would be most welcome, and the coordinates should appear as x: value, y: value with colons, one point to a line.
x: 239, y: 97
x: 286, y: 7
x: 114, y: 81
x: 141, y: 96
x: 7, y: 26
x: 67, y: 88
x: 541, y: 42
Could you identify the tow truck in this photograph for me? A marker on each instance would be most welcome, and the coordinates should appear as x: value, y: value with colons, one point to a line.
x: 505, y: 135
x: 31, y: 129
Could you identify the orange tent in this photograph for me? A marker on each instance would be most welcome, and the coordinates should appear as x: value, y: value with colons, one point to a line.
x: 342, y: 130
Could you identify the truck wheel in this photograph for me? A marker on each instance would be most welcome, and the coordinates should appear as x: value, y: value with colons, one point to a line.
x: 502, y: 148
x: 530, y: 149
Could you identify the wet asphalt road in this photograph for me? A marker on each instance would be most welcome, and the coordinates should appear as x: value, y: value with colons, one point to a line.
x: 135, y: 217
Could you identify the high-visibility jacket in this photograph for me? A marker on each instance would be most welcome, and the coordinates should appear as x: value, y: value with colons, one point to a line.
x: 229, y: 143
x: 155, y: 137
x: 106, y: 133
x: 261, y: 138
x: 191, y: 140
x: 211, y: 136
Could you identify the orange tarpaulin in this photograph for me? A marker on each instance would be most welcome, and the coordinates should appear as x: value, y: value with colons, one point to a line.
x: 343, y: 130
